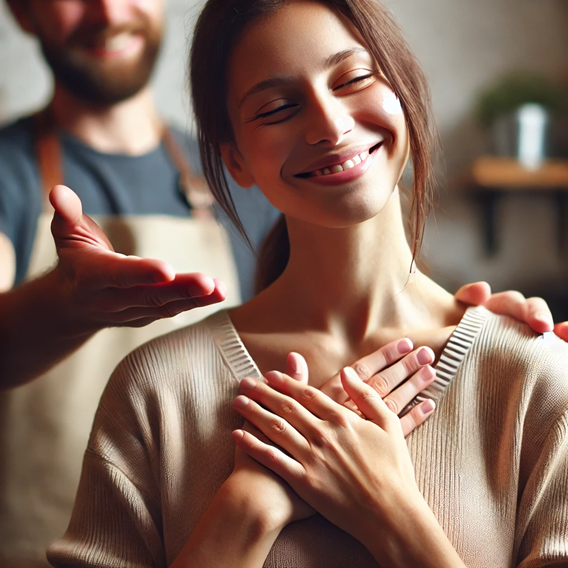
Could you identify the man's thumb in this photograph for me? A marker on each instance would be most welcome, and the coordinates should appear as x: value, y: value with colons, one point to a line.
x: 67, y: 204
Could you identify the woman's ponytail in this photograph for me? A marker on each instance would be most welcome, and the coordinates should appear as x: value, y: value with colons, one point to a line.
x: 273, y: 255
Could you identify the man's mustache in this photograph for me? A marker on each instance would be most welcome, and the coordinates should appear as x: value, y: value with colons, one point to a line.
x: 96, y: 36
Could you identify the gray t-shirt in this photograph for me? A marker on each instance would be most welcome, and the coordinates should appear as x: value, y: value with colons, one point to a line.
x: 115, y: 184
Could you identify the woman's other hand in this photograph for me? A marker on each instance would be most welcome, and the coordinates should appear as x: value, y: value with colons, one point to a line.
x: 275, y: 501
x: 246, y: 515
x: 532, y: 311
x: 396, y: 371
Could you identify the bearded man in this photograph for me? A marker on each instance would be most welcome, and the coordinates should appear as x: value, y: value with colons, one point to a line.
x: 101, y: 134
x: 64, y: 328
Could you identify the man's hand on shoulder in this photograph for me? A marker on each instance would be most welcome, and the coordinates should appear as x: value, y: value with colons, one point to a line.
x: 532, y: 311
x: 103, y: 288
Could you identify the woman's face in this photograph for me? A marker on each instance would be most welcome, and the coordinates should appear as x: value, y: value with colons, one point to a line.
x: 317, y: 127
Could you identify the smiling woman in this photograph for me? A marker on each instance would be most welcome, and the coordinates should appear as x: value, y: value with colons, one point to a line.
x: 324, y: 123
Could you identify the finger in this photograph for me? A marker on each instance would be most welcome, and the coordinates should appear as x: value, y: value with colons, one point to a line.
x: 539, y: 316
x: 269, y: 456
x: 317, y: 403
x: 66, y: 204
x: 100, y: 269
x: 127, y: 317
x: 385, y: 381
x: 511, y: 303
x: 183, y: 287
x: 353, y: 407
x: 297, y: 367
x: 277, y: 429
x: 417, y: 416
x: 561, y: 329
x: 475, y: 294
x: 367, y: 399
x: 368, y: 366
x: 404, y: 394
x: 280, y: 404
x: 70, y: 226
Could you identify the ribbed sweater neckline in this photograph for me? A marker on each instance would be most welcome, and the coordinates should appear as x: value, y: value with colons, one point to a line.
x: 238, y: 359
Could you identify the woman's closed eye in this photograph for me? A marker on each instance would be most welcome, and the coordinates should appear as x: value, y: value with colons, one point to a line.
x: 355, y: 81
x: 275, y: 111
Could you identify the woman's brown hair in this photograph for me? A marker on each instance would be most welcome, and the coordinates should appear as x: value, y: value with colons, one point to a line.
x: 219, y: 27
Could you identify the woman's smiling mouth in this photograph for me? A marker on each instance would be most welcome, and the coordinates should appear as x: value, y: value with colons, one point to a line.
x: 344, y: 171
x: 342, y: 166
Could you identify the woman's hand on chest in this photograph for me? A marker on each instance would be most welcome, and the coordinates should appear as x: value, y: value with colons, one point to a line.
x: 355, y: 470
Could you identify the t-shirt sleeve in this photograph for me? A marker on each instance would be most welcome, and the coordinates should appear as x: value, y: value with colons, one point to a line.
x: 542, y: 513
x: 116, y: 520
x: 20, y: 192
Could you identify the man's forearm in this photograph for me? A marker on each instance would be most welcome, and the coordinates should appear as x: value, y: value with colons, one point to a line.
x: 35, y: 330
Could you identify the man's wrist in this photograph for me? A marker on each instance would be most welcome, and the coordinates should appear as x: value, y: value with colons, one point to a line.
x: 69, y: 313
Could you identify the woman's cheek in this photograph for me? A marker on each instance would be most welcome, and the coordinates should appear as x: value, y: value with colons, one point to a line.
x: 391, y: 104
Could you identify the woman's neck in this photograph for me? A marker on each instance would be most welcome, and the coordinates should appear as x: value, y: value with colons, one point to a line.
x: 347, y: 271
x: 350, y: 288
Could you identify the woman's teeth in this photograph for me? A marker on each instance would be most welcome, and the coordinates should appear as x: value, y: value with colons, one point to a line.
x: 347, y: 165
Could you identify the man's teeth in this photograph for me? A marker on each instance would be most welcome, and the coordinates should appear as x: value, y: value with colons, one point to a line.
x: 347, y: 165
x: 117, y: 43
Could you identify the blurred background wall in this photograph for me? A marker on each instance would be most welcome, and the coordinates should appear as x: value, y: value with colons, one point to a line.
x: 463, y: 46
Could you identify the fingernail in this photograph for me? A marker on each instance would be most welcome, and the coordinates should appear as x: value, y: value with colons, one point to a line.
x: 427, y: 407
x: 248, y: 383
x: 544, y: 317
x: 274, y: 377
x: 350, y: 373
x: 427, y: 373
x: 405, y: 346
x: 293, y: 362
x: 424, y: 356
x: 241, y: 401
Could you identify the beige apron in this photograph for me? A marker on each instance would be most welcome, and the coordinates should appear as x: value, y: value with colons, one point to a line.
x: 44, y: 426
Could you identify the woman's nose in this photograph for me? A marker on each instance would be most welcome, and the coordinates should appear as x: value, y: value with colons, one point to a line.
x: 328, y: 122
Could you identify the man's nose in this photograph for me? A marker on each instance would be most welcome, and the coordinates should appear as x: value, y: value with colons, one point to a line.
x: 110, y: 12
x: 328, y: 121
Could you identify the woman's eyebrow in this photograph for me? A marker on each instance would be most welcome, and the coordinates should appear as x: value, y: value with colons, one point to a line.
x: 342, y: 55
x: 283, y: 80
x: 279, y: 81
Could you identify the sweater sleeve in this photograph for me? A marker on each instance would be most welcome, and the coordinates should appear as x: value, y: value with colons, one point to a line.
x: 116, y: 520
x: 541, y: 538
x: 543, y: 511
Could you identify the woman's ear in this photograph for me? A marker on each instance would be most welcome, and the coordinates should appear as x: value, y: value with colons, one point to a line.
x: 236, y: 165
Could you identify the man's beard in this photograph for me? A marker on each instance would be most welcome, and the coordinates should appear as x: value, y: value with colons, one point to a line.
x: 102, y: 82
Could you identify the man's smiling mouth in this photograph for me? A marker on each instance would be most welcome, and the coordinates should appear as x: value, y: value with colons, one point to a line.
x: 341, y: 167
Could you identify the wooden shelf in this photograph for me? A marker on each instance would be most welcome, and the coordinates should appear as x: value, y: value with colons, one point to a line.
x: 507, y: 174
x: 492, y: 177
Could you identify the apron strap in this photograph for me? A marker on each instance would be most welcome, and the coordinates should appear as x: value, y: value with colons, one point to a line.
x: 193, y: 186
x: 49, y: 158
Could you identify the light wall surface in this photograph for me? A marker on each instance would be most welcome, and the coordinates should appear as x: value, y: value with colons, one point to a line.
x: 463, y: 45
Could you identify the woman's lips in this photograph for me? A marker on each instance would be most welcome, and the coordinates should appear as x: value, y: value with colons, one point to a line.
x: 349, y: 170
x: 339, y: 167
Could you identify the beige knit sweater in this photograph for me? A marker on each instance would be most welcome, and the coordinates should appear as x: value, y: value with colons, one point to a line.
x: 492, y: 462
